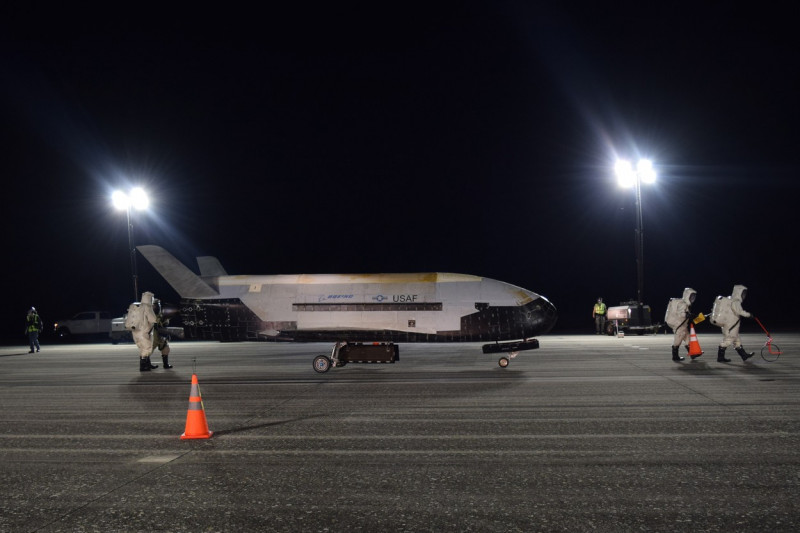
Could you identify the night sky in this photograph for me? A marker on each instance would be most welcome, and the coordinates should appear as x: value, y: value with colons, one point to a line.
x: 477, y: 138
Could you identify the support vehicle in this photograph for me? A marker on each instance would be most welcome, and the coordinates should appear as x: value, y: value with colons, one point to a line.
x: 84, y: 326
x: 624, y: 318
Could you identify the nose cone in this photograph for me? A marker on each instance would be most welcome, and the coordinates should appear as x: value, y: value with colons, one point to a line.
x: 542, y: 316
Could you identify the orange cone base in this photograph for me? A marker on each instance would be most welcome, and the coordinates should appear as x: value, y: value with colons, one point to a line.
x: 206, y: 436
x: 694, y: 346
x: 196, y: 426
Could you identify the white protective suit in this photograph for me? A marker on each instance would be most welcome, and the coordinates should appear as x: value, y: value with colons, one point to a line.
x: 729, y: 317
x: 142, y: 325
x: 679, y: 315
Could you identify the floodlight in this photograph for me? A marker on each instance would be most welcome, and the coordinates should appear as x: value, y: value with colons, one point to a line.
x: 120, y: 200
x: 124, y: 202
x: 139, y: 198
x: 626, y: 177
x: 645, y: 170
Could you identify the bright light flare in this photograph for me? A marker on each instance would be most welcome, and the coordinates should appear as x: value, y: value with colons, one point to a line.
x: 120, y: 200
x: 626, y: 177
x: 137, y: 199
x: 645, y: 170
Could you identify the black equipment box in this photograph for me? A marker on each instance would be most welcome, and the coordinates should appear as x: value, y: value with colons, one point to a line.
x: 369, y: 353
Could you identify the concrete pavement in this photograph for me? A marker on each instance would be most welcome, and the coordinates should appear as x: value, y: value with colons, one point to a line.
x: 588, y: 433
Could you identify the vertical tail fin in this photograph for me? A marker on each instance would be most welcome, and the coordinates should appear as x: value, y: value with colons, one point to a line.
x: 185, y: 282
x: 210, y: 266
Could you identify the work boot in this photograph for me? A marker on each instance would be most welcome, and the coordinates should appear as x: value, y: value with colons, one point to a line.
x: 744, y: 354
x: 144, y: 366
x: 675, y: 356
x: 165, y: 358
x: 721, y: 355
x: 151, y: 365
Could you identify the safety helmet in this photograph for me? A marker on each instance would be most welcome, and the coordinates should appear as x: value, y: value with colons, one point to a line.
x: 32, y: 310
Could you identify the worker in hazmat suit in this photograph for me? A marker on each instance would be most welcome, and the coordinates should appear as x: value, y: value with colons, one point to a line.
x: 678, y: 316
x: 727, y: 314
x: 159, y: 340
x: 140, y: 321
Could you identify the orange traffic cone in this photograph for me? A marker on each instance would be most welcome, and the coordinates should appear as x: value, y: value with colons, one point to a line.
x: 694, y: 346
x: 196, y: 425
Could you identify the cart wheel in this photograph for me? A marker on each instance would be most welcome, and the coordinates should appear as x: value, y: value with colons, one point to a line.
x: 322, y: 364
x: 770, y: 352
x: 503, y: 362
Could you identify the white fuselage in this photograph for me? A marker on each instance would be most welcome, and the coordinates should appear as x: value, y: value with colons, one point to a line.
x: 418, y: 303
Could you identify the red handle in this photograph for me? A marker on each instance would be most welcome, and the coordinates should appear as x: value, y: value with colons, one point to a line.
x: 762, y: 325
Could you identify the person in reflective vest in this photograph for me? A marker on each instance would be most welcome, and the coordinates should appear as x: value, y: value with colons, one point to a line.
x: 33, y: 325
x: 599, y: 315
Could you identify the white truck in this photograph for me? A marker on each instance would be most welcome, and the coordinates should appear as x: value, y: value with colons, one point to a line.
x: 86, y: 325
x: 118, y: 331
x: 120, y: 334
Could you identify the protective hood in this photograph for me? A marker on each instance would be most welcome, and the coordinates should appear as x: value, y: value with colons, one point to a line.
x: 147, y: 298
x: 739, y: 292
x: 687, y: 295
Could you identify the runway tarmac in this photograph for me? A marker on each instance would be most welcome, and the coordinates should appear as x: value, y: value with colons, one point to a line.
x: 588, y: 433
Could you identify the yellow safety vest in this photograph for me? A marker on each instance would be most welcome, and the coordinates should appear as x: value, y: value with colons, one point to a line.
x: 33, y: 322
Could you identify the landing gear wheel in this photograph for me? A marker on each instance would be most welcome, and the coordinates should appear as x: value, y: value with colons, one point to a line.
x: 503, y: 362
x: 322, y: 364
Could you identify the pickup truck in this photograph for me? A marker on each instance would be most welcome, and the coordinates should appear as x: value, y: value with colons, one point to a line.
x: 87, y: 325
x: 118, y: 331
x: 120, y: 334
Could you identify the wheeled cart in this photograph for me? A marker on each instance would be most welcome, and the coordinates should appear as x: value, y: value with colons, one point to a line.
x: 345, y: 352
